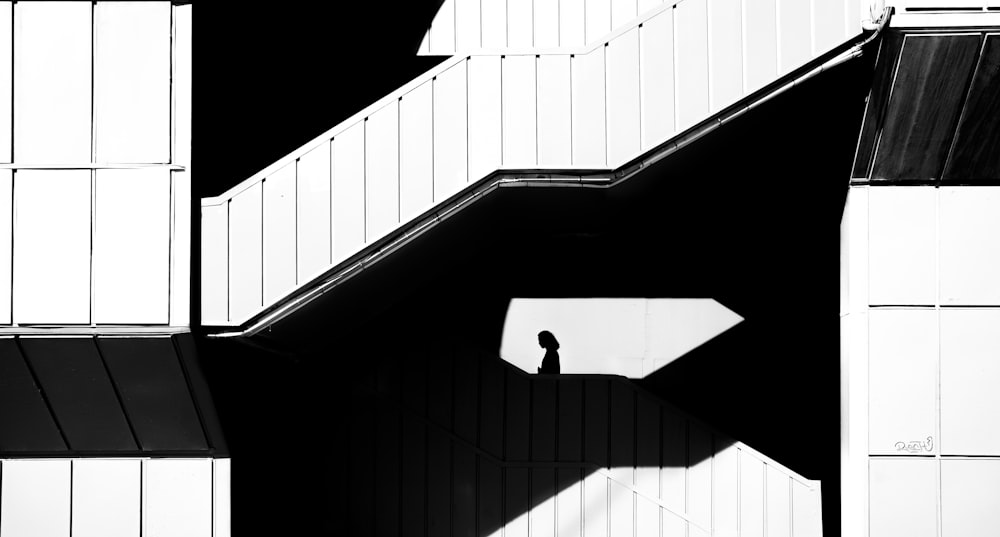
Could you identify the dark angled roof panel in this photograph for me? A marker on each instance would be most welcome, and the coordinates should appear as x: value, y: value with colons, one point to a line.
x: 25, y: 422
x: 976, y: 156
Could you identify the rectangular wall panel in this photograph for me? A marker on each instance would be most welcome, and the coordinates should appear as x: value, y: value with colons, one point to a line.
x: 52, y: 255
x: 554, y: 111
x: 657, y: 42
x: 779, y: 503
x: 52, y: 82
x: 519, y: 111
x: 132, y: 246
x: 794, y: 35
x: 569, y: 516
x: 517, y: 502
x: 6, y: 81
x: 622, y: 11
x: 494, y: 16
x: 699, y: 485
x: 647, y: 447
x: 467, y: 24
x: 279, y: 233
x: 106, y: 497
x: 761, y: 65
x: 571, y: 24
x: 622, y: 515
x: 215, y: 264
x: 725, y: 52
x: 442, y: 30
x: 180, y: 249
x: 970, y: 494
x: 751, y: 496
x: 450, y: 132
x: 182, y: 75
x: 382, y: 171
x: 6, y: 242
x: 902, y: 249
x: 543, y: 512
x: 519, y: 23
x: 691, y: 40
x: 132, y: 81
x: 970, y: 251
x: 35, y: 498
x: 221, y: 497
x: 587, y: 71
x: 546, y: 22
x: 902, y: 406
x: 647, y: 518
x: 970, y: 374
x: 177, y: 497
x: 828, y: 25
x: 726, y: 488
x: 807, y: 515
x: 595, y: 505
x: 598, y: 18
x: 902, y: 496
x: 245, y: 253
x: 313, y: 209
x: 673, y: 471
x: 484, y: 116
x: 348, y: 212
x: 416, y: 152
x: 623, y: 97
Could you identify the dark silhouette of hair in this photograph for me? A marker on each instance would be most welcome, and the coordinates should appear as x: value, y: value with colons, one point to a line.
x: 547, y: 340
x: 550, y: 363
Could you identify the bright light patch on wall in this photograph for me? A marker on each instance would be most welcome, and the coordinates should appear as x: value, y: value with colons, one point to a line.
x: 618, y: 336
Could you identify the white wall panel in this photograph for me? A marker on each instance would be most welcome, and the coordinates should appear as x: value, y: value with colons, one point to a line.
x: 903, y: 353
x: 903, y: 498
x: 35, y: 498
x: 443, y: 29
x: 348, y: 213
x: 546, y: 22
x: 646, y: 5
x: 970, y: 245
x: 485, y: 141
x: 751, y: 496
x: 382, y: 171
x: 572, y: 25
x: 450, y: 132
x: 416, y: 151
x: 279, y: 233
x: 494, y: 14
x: 623, y: 97
x: 828, y: 25
x: 467, y: 26
x: 794, y: 37
x: 215, y: 264
x: 519, y: 23
x: 761, y: 66
x: 902, y: 252
x: 132, y: 246
x: 647, y: 518
x: 6, y: 242
x: 245, y: 253
x: 52, y: 255
x: 106, y: 497
x: 181, y: 74
x: 657, y: 42
x: 587, y: 71
x: 691, y: 38
x: 673, y: 472
x: 6, y: 82
x: 725, y: 490
x: 673, y: 524
x: 622, y: 515
x: 779, y: 503
x: 569, y: 516
x: 970, y: 374
x: 313, y: 231
x: 622, y: 11
x: 177, y: 498
x: 543, y: 519
x: 725, y: 48
x: 554, y: 111
x: 598, y: 18
x: 699, y: 485
x: 970, y: 497
x: 519, y: 111
x: 180, y: 249
x: 221, y: 498
x: 807, y: 515
x: 595, y: 505
x: 52, y: 82
x: 132, y: 81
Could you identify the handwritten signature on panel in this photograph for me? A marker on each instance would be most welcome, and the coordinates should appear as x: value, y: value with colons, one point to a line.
x: 916, y: 446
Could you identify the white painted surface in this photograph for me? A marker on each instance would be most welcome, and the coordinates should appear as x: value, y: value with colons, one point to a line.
x: 570, y: 510
x: 467, y: 25
x: 598, y: 18
x: 215, y: 264
x: 519, y: 111
x: 416, y: 164
x: 450, y: 132
x: 181, y: 116
x: 699, y: 484
x: 348, y: 191
x: 484, y: 116
x: 761, y: 44
x: 6, y: 242
x: 647, y: 518
x: 52, y: 255
x: 279, y: 233
x: 902, y: 249
x: 622, y: 510
x: 546, y: 23
x: 222, y: 497
x: 589, y: 147
x: 542, y: 518
x: 313, y: 227
x: 622, y: 11
x: 52, y: 82
x: 595, y: 502
x: 572, y: 25
x: 180, y: 249
x: 970, y: 497
x: 657, y: 43
x: 728, y: 479
x: 794, y: 34
x: 970, y: 245
x: 752, y: 489
x: 443, y: 27
x: 778, y: 502
x: 382, y: 171
x: 623, y: 96
x: 554, y: 111
x: 903, y: 378
x: 131, y: 251
x: 494, y: 20
x: 519, y: 23
x: 691, y: 57
x: 106, y: 497
x: 725, y: 53
x: 6, y: 81
x: 970, y: 374
x: 828, y: 25
x: 807, y: 515
x: 177, y: 498
x: 903, y: 498
x: 35, y: 498
x: 132, y: 81
x: 245, y: 253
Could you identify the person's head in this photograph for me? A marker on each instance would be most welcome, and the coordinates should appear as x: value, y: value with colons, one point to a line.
x: 547, y: 341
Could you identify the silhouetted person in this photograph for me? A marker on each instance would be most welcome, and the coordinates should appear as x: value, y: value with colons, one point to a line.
x: 550, y: 362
